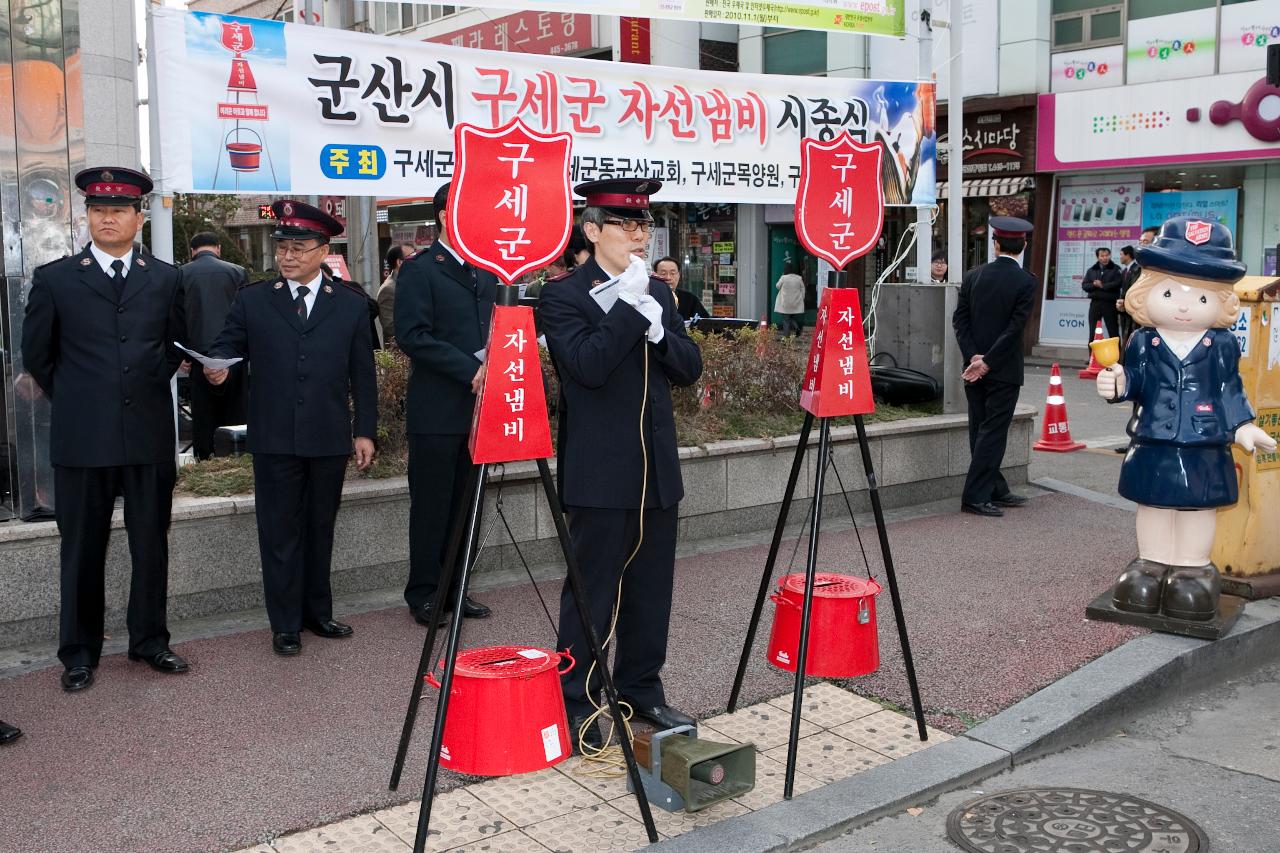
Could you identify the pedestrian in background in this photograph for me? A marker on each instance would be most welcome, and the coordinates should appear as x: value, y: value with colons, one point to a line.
x: 98, y: 339
x: 396, y: 256
x: 1129, y: 272
x: 211, y: 284
x: 938, y: 267
x: 307, y: 340
x: 994, y: 303
x: 689, y: 305
x: 789, y: 303
x: 1102, y: 283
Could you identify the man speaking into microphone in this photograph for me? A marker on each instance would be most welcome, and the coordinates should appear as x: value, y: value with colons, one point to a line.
x: 618, y: 345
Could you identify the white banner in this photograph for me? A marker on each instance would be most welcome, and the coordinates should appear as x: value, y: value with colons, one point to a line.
x: 1245, y: 31
x: 254, y: 106
x: 1167, y: 47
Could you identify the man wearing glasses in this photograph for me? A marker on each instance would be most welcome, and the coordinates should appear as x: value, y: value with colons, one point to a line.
x: 619, y: 345
x: 309, y: 345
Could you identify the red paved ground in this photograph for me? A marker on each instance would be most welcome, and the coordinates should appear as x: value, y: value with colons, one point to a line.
x: 250, y: 745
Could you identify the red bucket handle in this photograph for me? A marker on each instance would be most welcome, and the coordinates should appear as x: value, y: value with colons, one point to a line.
x: 572, y: 663
x: 430, y: 678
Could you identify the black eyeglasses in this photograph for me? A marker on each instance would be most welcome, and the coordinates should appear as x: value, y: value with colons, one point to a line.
x: 631, y: 225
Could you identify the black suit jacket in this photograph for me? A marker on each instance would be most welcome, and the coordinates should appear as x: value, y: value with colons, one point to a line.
x: 995, y: 302
x: 301, y: 375
x: 1128, y: 277
x: 106, y: 363
x: 690, y: 305
x: 600, y: 359
x: 442, y: 314
x: 211, y: 284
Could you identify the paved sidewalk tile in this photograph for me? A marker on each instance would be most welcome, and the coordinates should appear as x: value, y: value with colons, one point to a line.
x: 764, y: 725
x: 770, y: 780
x: 508, y: 842
x: 261, y: 848
x: 829, y: 757
x: 605, y: 782
x: 889, y: 733
x: 457, y: 818
x: 675, y: 823
x: 828, y: 706
x: 598, y: 828
x: 360, y: 834
x: 534, y: 797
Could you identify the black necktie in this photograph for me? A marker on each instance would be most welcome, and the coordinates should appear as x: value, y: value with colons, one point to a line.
x: 300, y: 302
x: 117, y: 266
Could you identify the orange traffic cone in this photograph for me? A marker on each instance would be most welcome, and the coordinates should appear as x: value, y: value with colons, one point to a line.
x: 1094, y: 368
x: 1055, y: 436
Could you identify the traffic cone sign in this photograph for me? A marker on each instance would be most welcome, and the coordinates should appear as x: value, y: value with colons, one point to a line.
x: 1055, y: 435
x: 1094, y: 367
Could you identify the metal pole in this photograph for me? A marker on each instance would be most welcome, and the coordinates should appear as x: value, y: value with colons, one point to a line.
x: 873, y: 490
x: 810, y: 575
x: 924, y: 215
x: 597, y: 652
x: 425, y: 663
x: 771, y: 560
x: 952, y: 388
x: 450, y: 662
x: 161, y: 208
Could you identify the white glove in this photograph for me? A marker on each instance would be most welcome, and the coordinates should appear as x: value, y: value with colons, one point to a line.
x: 652, y: 311
x: 1111, y: 382
x: 635, y: 280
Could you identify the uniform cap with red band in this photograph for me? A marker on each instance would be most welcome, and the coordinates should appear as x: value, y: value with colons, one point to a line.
x: 297, y: 220
x: 113, y: 185
x: 625, y: 198
x: 1009, y: 226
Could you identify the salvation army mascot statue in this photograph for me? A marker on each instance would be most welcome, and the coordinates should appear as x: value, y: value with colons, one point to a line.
x: 1181, y: 371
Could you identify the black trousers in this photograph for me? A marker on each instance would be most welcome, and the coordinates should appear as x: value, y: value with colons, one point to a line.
x: 602, y: 541
x: 991, y: 406
x: 213, y: 406
x: 85, y: 499
x: 297, y: 499
x: 1106, y: 311
x: 439, y: 466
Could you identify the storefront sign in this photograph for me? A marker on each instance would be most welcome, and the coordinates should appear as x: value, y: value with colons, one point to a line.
x: 1000, y: 142
x: 1209, y: 205
x: 1092, y: 214
x: 633, y: 41
x: 1172, y: 46
x: 722, y: 248
x: 1268, y: 419
x: 1158, y: 123
x: 358, y: 114
x: 1095, y: 68
x: 545, y: 33
x: 1246, y: 30
x: 865, y: 17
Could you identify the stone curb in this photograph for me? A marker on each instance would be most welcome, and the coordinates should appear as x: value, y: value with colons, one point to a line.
x: 1090, y: 701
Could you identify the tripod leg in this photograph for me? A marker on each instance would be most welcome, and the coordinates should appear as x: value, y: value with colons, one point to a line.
x: 770, y: 561
x: 874, y: 491
x: 449, y: 567
x: 810, y: 576
x: 450, y: 661
x: 597, y: 653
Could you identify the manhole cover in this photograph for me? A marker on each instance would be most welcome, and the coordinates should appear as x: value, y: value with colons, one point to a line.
x: 1071, y: 820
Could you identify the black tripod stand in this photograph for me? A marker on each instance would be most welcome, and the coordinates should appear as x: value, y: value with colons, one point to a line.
x: 824, y: 454
x: 469, y: 521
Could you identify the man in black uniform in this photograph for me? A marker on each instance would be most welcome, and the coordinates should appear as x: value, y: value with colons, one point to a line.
x: 619, y: 345
x: 442, y: 311
x: 211, y: 284
x: 98, y: 340
x: 308, y: 345
x: 995, y: 302
x: 1103, y: 282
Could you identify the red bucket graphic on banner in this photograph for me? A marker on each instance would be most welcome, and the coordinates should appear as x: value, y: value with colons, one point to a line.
x: 495, y: 221
x: 837, y: 377
x: 510, y: 419
x: 840, y: 201
x: 237, y: 37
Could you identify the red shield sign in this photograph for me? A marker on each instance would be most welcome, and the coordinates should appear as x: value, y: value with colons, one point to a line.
x: 840, y: 201
x: 510, y: 210
x: 1198, y: 232
x: 237, y: 37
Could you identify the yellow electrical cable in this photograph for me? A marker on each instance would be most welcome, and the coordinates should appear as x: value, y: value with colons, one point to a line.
x: 607, y: 761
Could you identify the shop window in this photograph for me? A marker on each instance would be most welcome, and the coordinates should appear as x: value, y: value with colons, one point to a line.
x: 1153, y: 8
x: 795, y: 51
x: 1086, y: 23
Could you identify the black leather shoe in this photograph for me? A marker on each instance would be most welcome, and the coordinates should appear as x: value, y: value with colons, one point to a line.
x: 165, y: 661
x: 663, y: 716
x: 988, y: 509
x: 286, y: 644
x: 591, y: 738
x: 422, y: 614
x: 1010, y: 500
x: 1137, y: 590
x: 473, y: 609
x: 330, y: 629
x: 77, y: 678
x: 1191, y: 592
x: 8, y: 733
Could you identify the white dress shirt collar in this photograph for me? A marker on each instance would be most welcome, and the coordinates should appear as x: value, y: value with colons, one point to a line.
x: 455, y: 254
x: 313, y: 287
x: 105, y: 260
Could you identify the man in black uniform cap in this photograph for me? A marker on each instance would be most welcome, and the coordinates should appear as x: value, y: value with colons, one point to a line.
x: 308, y: 344
x: 442, y: 310
x: 619, y: 345
x: 995, y: 302
x: 98, y: 340
x: 211, y: 284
